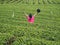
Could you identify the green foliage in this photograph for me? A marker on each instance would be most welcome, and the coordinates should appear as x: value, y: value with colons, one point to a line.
x: 30, y: 1
x: 44, y: 31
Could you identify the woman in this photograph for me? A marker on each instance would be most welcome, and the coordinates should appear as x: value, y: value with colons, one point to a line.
x: 30, y: 17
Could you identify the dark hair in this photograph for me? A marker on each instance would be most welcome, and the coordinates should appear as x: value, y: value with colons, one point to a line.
x: 38, y: 10
x: 30, y: 16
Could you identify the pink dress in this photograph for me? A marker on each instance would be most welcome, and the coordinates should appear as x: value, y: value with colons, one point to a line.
x: 32, y: 19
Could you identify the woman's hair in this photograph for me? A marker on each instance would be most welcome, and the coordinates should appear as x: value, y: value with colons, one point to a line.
x: 30, y: 15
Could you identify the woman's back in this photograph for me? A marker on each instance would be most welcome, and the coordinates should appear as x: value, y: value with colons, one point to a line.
x: 31, y: 20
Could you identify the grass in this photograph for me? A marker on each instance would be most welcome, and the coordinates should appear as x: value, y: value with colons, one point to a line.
x: 44, y: 31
